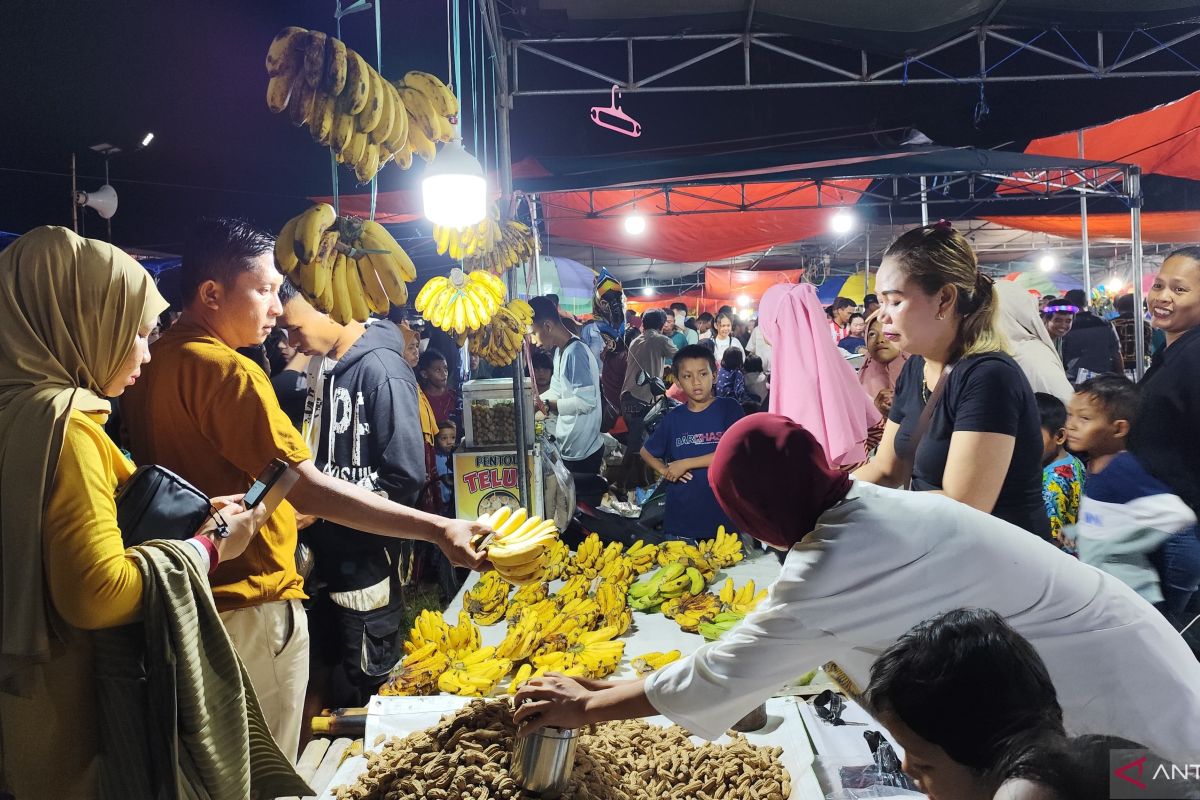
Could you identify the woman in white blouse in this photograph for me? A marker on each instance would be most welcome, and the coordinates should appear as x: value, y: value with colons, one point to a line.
x: 867, y: 563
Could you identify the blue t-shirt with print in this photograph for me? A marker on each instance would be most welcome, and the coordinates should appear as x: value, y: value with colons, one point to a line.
x: 692, y: 510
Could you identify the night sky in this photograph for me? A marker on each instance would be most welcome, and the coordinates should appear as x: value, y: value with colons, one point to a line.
x: 79, y: 73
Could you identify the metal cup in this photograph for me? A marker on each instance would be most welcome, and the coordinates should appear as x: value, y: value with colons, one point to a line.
x: 542, y: 762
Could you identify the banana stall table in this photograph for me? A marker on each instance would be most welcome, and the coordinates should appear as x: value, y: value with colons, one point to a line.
x: 400, y: 716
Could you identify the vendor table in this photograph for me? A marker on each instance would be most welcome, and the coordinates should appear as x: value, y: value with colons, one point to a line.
x: 791, y: 723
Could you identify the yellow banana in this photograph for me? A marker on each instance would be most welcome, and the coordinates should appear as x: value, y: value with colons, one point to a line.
x: 360, y: 311
x: 358, y: 83
x: 341, y: 311
x: 376, y: 294
x: 343, y: 130
x: 372, y: 113
x: 285, y: 247
x: 422, y: 110
x: 310, y: 227
x: 366, y: 166
x: 399, y: 135
x: 380, y: 133
x: 285, y: 56
x: 300, y: 105
x: 335, y: 66
x: 440, y: 96
x: 418, y: 140
x: 376, y: 237
x: 279, y: 91
x: 320, y: 125
x: 314, y: 59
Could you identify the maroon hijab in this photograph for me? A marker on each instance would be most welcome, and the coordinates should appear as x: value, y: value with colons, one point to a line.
x: 772, y: 478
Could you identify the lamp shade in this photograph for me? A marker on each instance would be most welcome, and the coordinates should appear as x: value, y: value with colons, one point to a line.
x: 454, y: 191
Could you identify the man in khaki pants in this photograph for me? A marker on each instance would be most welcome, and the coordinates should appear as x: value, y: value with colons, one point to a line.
x: 211, y: 415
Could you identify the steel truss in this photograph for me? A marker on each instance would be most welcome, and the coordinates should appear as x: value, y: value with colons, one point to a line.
x: 987, y: 46
x: 940, y: 189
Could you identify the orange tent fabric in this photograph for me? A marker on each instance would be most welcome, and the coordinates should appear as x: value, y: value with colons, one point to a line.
x: 598, y: 218
x: 1157, y: 226
x: 1164, y: 140
x: 390, y: 207
x: 752, y: 283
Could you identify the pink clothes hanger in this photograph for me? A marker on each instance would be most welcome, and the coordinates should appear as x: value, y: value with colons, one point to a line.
x: 599, y: 113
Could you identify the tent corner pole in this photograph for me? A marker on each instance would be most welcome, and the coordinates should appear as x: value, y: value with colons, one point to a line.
x: 924, y: 202
x: 1083, y: 228
x: 1133, y: 184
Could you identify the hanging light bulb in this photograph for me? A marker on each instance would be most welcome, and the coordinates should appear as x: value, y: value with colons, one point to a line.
x: 1047, y: 263
x: 1115, y: 283
x: 635, y: 224
x: 648, y: 291
x: 454, y: 190
x: 842, y: 222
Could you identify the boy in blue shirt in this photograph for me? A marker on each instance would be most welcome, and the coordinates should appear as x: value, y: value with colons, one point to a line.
x: 1131, y: 524
x: 682, y: 446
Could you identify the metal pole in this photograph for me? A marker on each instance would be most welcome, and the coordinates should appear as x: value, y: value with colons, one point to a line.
x: 504, y: 157
x: 1133, y: 183
x: 924, y: 204
x: 1083, y: 227
x: 107, y: 183
x: 536, y: 272
x: 74, y: 191
x: 867, y: 264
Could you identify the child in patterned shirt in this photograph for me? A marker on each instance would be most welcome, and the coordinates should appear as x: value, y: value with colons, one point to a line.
x: 1062, y: 473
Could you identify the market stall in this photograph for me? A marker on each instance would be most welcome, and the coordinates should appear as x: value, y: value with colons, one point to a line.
x: 788, y: 716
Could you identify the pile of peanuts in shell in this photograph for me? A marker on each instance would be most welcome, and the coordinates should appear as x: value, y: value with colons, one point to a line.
x: 467, y: 757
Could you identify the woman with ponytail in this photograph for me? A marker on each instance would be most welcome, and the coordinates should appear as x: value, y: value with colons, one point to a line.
x: 979, y: 441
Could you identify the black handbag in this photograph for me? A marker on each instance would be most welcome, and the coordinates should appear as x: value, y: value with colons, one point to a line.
x: 155, y: 503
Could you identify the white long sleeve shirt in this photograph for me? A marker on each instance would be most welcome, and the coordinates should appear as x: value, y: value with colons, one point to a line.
x: 575, y: 387
x: 884, y: 560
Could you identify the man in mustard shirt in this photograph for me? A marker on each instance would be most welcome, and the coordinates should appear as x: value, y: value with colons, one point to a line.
x: 210, y: 414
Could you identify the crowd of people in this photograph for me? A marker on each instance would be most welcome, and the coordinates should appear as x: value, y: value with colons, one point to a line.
x: 949, y: 443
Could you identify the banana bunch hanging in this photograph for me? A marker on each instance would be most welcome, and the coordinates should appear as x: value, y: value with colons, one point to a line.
x: 502, y: 338
x: 514, y: 247
x: 351, y: 108
x: 346, y: 267
x: 462, y: 243
x: 461, y: 303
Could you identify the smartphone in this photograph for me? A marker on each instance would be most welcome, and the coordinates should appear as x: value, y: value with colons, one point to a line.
x: 274, y: 482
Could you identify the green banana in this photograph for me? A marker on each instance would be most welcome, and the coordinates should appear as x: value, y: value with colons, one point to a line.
x: 697, y: 580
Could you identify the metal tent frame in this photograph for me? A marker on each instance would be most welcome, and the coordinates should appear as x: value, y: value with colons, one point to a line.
x: 858, y: 67
x: 850, y: 66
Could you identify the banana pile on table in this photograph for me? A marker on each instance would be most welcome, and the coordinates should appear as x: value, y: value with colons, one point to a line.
x: 461, y: 303
x: 502, y: 338
x: 349, y: 107
x: 346, y: 267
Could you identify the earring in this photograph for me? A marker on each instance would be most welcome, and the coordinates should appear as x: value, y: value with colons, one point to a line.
x: 941, y: 316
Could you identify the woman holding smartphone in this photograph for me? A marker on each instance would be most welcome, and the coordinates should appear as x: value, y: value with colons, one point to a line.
x: 77, y: 317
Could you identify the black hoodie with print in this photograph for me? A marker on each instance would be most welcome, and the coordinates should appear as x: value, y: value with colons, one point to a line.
x: 371, y: 436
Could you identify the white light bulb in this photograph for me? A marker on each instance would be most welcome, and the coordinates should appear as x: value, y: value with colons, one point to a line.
x: 743, y: 300
x: 1047, y: 263
x: 454, y: 190
x: 1114, y: 283
x: 648, y: 291
x: 147, y: 139
x: 841, y: 222
x: 635, y: 224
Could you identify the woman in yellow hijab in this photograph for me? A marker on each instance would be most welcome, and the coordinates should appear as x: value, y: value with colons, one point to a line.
x: 77, y: 314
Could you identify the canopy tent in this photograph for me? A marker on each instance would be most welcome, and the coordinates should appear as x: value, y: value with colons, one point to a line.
x: 1164, y: 140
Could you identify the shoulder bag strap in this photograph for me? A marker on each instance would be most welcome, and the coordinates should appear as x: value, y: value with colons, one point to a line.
x: 927, y: 415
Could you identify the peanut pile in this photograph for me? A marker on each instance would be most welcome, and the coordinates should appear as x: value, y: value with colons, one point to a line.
x: 468, y: 756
